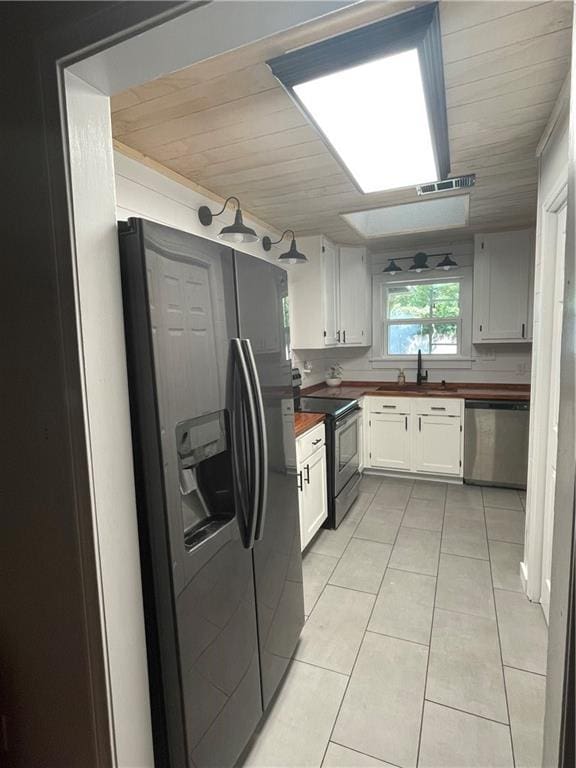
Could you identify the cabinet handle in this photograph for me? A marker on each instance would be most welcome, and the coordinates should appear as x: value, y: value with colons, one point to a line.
x: 307, y: 478
x: 406, y: 423
x: 523, y: 330
x: 315, y: 442
x: 419, y: 423
x: 437, y: 408
x: 344, y: 336
x: 300, y: 481
x: 388, y: 406
x: 338, y: 336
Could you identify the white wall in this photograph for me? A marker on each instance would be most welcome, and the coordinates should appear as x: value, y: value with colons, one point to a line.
x: 101, y: 326
x: 499, y: 363
x: 146, y: 193
x: 553, y: 174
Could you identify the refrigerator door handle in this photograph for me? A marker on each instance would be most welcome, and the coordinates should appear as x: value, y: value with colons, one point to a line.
x: 262, y: 438
x: 252, y: 419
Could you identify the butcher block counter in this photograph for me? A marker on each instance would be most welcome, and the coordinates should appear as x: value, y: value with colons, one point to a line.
x: 469, y: 391
x: 305, y: 421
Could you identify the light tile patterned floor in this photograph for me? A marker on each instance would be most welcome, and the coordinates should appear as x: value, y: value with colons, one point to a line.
x: 420, y: 648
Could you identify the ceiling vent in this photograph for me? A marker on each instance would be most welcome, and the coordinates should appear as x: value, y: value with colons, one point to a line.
x: 448, y: 185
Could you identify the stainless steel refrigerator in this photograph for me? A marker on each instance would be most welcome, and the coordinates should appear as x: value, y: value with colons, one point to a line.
x: 207, y: 339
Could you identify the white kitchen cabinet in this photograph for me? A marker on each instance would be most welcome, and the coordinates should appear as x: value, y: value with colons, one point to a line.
x: 389, y: 440
x: 437, y: 444
x: 361, y: 435
x: 312, y: 483
x: 330, y: 296
x: 330, y: 292
x: 503, y: 287
x: 419, y: 435
x: 354, y: 323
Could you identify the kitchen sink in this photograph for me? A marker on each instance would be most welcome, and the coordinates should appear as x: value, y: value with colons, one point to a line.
x: 414, y: 389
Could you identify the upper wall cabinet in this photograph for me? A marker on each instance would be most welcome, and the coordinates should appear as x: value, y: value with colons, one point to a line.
x: 330, y: 296
x: 503, y: 287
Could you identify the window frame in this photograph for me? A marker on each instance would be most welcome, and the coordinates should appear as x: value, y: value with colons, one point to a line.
x: 427, y: 320
x: 380, y: 322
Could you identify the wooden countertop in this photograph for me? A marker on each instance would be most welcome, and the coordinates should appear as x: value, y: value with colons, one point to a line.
x: 305, y: 421
x: 467, y: 391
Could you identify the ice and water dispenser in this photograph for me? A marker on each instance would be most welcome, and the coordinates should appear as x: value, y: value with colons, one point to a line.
x: 205, y: 474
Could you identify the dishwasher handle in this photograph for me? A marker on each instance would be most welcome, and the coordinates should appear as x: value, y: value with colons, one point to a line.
x: 498, y: 405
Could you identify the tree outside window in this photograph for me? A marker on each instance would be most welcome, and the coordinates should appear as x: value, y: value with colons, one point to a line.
x: 425, y: 316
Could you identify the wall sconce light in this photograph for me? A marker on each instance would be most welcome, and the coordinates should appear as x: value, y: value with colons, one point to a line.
x: 420, y: 262
x: 234, y: 233
x: 447, y: 263
x: 292, y: 256
x: 392, y: 268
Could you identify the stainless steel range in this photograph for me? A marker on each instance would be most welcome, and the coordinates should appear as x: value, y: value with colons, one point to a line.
x: 342, y: 449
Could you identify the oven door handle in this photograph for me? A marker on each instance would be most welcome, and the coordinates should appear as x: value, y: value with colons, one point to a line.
x: 348, y: 419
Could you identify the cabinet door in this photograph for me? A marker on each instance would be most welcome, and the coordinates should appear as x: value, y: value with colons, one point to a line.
x: 354, y: 299
x: 437, y: 444
x: 330, y: 293
x: 313, y: 496
x: 502, y: 269
x: 389, y: 440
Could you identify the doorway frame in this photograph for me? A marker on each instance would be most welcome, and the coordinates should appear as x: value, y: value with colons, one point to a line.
x: 81, y: 63
x: 56, y: 53
x: 544, y: 278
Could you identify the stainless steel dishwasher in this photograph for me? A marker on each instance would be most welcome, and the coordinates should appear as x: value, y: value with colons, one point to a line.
x: 496, y: 442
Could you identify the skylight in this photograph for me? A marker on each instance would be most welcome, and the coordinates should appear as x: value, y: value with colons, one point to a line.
x: 423, y: 216
x: 375, y: 117
x: 376, y: 95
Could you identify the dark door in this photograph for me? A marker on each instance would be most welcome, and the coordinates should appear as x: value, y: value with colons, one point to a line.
x: 194, y: 469
x: 262, y: 290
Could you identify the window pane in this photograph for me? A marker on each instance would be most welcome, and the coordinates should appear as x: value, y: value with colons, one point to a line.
x: 430, y: 338
x: 407, y: 302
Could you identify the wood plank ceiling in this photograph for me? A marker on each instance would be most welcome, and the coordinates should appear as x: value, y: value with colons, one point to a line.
x: 228, y: 126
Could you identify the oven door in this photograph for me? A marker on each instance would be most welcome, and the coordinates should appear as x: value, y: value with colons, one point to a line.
x: 346, y: 449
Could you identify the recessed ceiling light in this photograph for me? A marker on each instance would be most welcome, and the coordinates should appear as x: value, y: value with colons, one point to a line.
x: 375, y: 117
x: 423, y: 216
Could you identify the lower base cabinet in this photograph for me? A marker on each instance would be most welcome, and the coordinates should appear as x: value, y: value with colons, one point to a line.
x: 389, y: 440
x: 415, y: 435
x: 437, y: 445
x: 312, y: 482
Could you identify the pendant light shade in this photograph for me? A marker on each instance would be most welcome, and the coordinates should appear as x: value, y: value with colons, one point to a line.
x: 234, y: 233
x: 447, y: 263
x: 420, y: 262
x: 292, y: 255
x: 392, y: 268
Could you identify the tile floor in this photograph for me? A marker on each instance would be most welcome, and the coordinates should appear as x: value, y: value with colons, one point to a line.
x: 419, y: 648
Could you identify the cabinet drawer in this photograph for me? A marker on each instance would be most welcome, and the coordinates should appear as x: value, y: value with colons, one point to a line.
x: 437, y: 406
x: 310, y: 441
x: 389, y: 404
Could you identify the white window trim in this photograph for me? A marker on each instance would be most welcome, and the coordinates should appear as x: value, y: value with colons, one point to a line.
x: 380, y: 358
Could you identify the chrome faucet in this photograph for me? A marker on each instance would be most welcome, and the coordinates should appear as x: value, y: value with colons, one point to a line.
x: 420, y: 377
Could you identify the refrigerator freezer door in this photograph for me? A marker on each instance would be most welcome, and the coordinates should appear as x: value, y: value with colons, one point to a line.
x: 262, y: 291
x: 180, y: 314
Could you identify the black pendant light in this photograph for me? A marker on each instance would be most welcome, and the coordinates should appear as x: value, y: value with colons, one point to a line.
x: 420, y: 262
x: 447, y: 263
x: 392, y: 268
x: 292, y: 255
x: 234, y: 233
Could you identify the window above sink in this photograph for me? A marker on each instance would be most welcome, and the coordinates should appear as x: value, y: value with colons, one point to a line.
x: 432, y: 313
x: 423, y: 315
